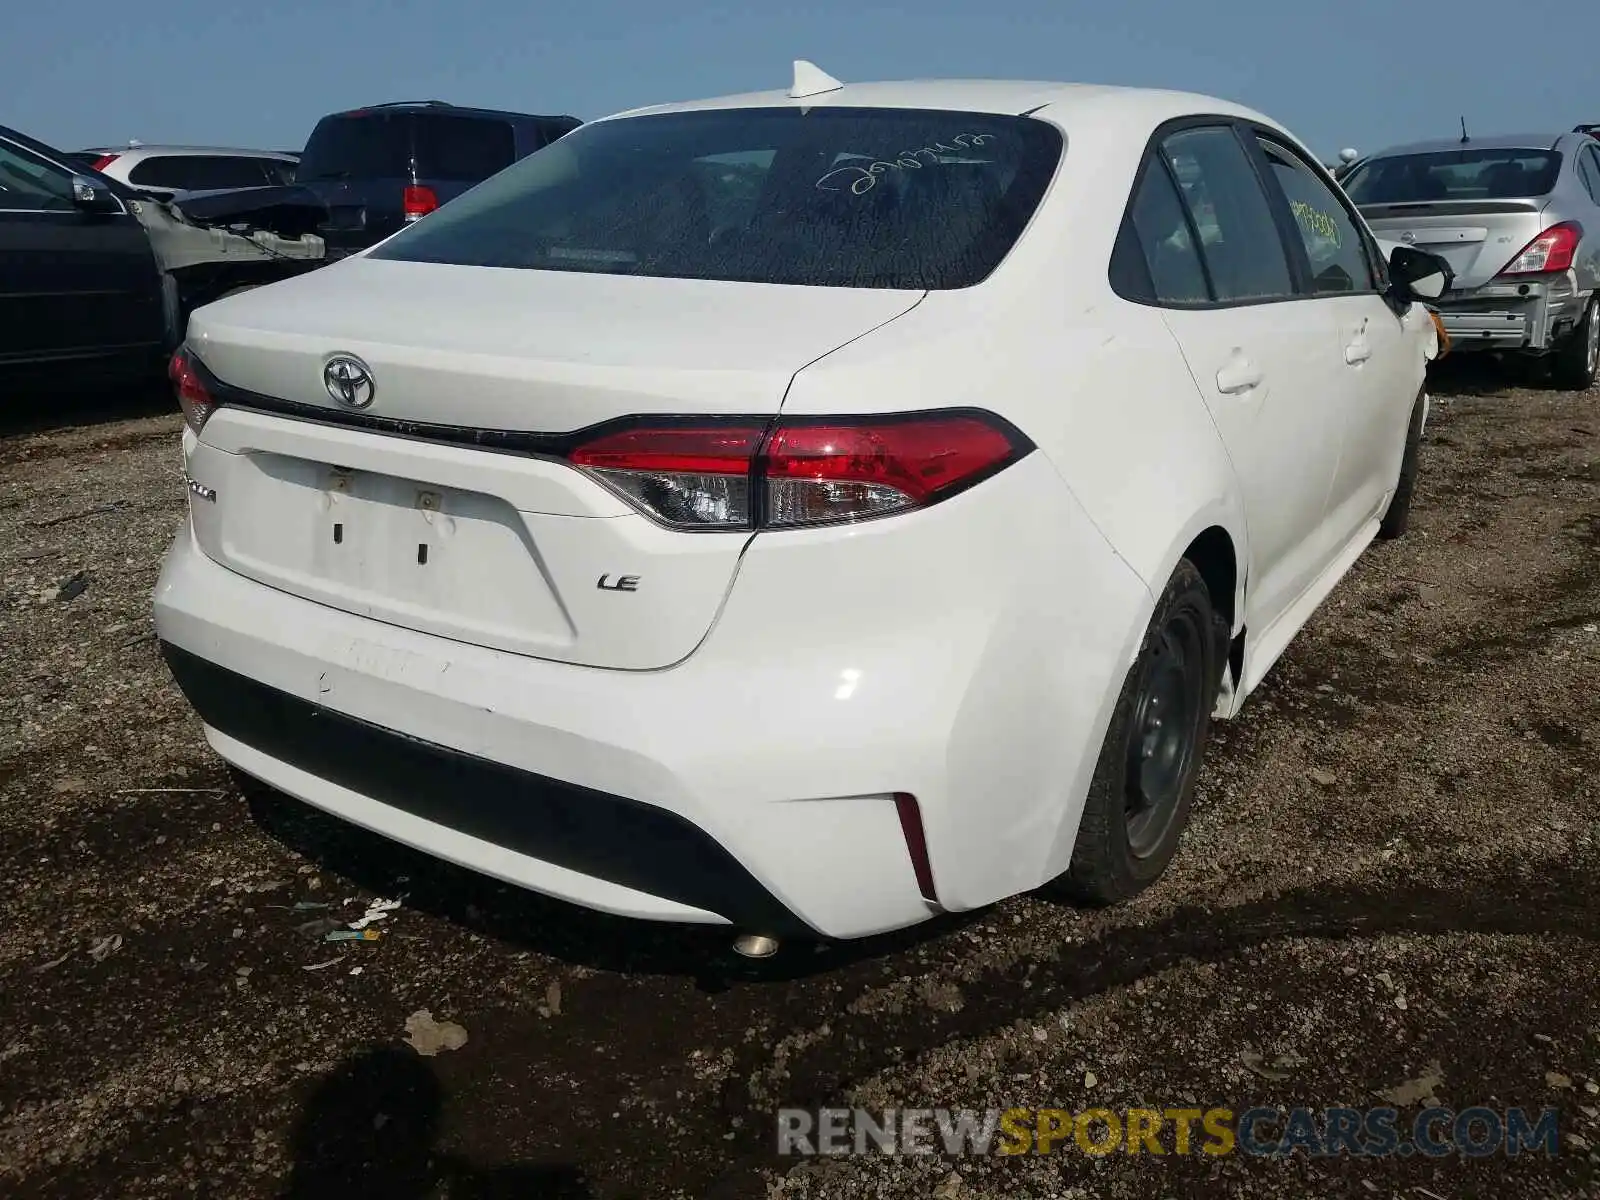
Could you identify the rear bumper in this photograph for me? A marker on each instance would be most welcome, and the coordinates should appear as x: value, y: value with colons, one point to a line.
x: 1513, y: 316
x: 958, y: 655
x: 638, y: 848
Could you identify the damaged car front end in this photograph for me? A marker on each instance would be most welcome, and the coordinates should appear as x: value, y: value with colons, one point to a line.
x: 213, y: 244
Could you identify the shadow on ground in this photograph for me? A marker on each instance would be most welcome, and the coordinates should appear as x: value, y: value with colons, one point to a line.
x: 369, y: 1130
x: 36, y: 410
x: 1481, y: 374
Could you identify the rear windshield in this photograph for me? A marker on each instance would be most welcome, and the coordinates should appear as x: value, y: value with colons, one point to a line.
x: 837, y: 197
x: 387, y: 145
x: 1466, y: 174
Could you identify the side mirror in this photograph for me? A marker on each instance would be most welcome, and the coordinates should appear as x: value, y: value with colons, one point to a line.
x: 1418, y: 275
x: 93, y: 197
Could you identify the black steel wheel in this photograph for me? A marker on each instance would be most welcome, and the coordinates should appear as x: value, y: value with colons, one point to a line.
x: 1160, y: 739
x: 1138, y: 802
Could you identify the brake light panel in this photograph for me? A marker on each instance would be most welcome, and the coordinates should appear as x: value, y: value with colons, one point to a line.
x: 417, y: 201
x: 194, y: 398
x: 1552, y: 250
x: 688, y: 477
x: 746, y: 473
x: 797, y: 471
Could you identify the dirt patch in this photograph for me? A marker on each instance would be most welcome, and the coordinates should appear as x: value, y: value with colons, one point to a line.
x: 1390, y: 877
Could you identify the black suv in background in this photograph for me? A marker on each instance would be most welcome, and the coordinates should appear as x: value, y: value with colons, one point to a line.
x: 378, y: 168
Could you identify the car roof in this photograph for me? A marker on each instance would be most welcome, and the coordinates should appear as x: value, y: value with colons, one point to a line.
x: 147, y: 148
x: 1065, y: 101
x: 1499, y: 141
x: 454, y: 110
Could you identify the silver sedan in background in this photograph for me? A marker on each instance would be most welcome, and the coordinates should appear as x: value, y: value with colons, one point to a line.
x: 1518, y: 219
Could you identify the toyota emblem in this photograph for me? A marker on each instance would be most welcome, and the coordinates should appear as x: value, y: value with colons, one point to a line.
x: 349, y: 381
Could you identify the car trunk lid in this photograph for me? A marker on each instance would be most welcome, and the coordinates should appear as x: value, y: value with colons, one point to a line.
x: 399, y: 512
x: 1476, y: 237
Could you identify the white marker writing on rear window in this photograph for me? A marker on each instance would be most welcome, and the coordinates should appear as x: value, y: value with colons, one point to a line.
x: 864, y: 179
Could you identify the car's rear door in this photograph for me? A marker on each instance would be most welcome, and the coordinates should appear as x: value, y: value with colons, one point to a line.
x: 1261, y: 356
x: 73, y: 284
x: 1587, y: 262
x: 1379, y: 365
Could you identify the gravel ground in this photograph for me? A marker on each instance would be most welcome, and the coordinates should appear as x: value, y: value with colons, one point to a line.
x: 1392, y: 876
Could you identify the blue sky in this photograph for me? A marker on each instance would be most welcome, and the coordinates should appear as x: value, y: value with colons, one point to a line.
x: 1337, y: 72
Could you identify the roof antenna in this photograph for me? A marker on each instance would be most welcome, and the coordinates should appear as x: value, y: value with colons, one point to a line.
x: 811, y: 80
x: 1464, y: 138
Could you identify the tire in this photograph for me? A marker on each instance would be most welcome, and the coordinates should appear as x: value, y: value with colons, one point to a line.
x: 1139, y: 798
x: 1397, y: 517
x: 1576, y: 362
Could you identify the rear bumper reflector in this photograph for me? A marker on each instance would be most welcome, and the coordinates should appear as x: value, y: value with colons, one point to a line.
x: 916, y: 844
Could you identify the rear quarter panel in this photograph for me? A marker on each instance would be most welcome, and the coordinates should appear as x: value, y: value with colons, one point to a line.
x: 1101, y: 387
x: 1572, y: 201
x: 1097, y: 382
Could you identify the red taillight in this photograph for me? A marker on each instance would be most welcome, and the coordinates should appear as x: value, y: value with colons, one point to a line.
x: 417, y: 201
x: 829, y: 472
x: 105, y: 160
x: 691, y: 477
x: 801, y: 471
x: 1552, y: 250
x: 705, y: 450
x: 197, y: 403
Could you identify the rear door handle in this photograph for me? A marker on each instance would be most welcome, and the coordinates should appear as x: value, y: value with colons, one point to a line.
x: 1357, y: 352
x: 1240, y: 375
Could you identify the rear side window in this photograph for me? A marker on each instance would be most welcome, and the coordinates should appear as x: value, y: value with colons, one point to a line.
x: 1239, y: 239
x: 197, y: 172
x: 1333, y: 243
x: 549, y: 131
x: 374, y: 145
x: 404, y: 145
x: 1166, y: 243
x: 461, y: 149
x: 1471, y: 173
x: 831, y: 197
x: 1589, y: 171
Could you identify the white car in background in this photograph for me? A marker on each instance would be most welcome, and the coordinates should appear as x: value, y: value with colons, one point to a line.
x: 173, y: 172
x: 808, y: 511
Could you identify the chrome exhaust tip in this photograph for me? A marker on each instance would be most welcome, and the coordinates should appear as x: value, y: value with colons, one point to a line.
x: 755, y: 945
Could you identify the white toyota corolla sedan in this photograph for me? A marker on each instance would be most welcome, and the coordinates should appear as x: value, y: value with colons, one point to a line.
x: 808, y: 511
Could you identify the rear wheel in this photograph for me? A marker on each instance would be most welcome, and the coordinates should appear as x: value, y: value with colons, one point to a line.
x: 1397, y: 517
x: 1576, y: 363
x: 1143, y: 784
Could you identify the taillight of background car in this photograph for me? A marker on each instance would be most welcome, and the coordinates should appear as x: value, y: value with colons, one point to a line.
x: 798, y: 471
x: 1552, y: 250
x: 105, y: 160
x: 417, y: 201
